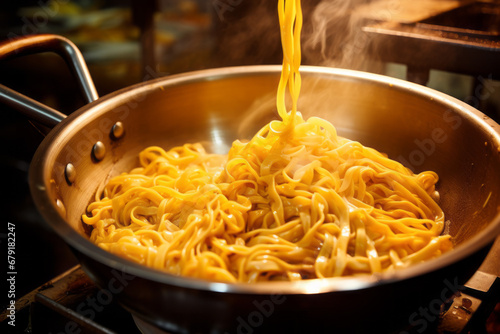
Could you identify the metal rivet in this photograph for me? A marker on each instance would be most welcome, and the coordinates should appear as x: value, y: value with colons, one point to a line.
x: 70, y: 173
x: 436, y: 196
x: 61, y: 207
x: 117, y: 130
x: 98, y: 151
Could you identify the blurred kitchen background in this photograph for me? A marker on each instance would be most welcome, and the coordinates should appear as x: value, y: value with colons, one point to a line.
x: 450, y: 45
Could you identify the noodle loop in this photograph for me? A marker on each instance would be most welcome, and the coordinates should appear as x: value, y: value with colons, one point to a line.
x: 295, y: 202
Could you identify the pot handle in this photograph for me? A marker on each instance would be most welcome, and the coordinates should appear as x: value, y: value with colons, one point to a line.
x: 35, y: 110
x: 471, y: 306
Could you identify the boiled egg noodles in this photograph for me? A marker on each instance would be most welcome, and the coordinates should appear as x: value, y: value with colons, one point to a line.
x: 295, y: 202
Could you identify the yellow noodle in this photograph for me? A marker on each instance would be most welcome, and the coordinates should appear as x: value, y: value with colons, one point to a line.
x: 295, y: 202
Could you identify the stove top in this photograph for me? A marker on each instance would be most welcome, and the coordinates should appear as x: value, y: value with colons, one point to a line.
x: 460, y: 37
x: 468, y: 36
x: 71, y: 303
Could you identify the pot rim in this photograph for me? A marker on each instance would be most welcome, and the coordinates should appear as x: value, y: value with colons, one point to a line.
x: 39, y: 169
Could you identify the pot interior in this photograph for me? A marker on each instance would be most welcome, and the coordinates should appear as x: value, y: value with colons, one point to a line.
x: 423, y: 129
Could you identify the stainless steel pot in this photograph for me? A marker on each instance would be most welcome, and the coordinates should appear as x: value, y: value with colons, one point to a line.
x: 423, y: 128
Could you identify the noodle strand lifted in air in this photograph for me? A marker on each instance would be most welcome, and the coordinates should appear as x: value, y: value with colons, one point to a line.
x: 295, y: 202
x: 290, y: 19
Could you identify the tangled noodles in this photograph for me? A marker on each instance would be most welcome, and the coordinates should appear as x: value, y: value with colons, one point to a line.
x: 295, y: 202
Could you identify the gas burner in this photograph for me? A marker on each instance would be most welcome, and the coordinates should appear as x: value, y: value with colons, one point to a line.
x: 69, y: 303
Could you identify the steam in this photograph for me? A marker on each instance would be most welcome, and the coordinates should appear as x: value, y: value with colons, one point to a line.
x: 332, y: 34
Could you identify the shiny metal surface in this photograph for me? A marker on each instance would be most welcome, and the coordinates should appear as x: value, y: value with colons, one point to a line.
x: 33, y: 109
x: 117, y: 130
x: 98, y: 151
x: 418, y: 126
x: 70, y: 173
x: 45, y: 43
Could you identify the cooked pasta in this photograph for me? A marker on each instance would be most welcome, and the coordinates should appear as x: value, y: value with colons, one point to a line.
x: 295, y: 202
